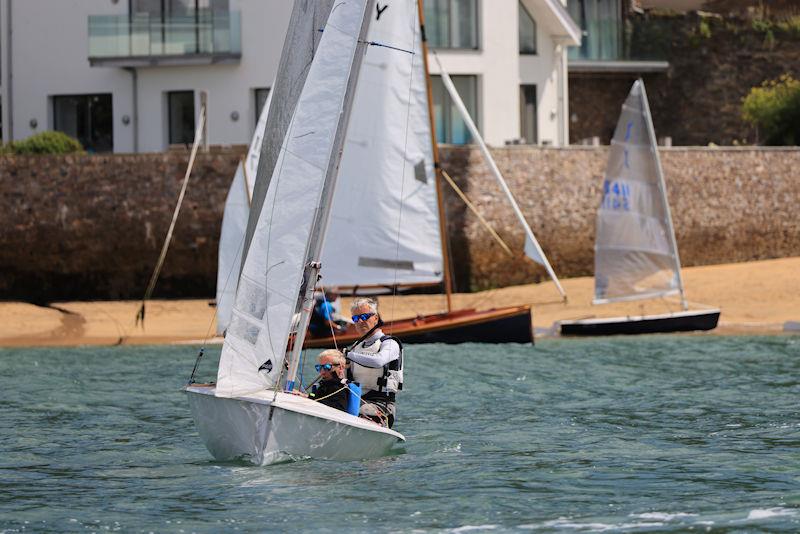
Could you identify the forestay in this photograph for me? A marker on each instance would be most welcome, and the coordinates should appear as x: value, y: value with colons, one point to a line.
x: 635, y: 252
x: 234, y: 223
x: 267, y: 294
x: 384, y: 225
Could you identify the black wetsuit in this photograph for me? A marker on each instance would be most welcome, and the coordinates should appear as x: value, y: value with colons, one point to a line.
x: 325, y: 388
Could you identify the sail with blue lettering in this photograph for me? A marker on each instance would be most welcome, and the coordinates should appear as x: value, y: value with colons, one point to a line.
x: 635, y: 252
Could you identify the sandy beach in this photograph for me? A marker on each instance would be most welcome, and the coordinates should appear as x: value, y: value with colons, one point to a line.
x: 755, y: 298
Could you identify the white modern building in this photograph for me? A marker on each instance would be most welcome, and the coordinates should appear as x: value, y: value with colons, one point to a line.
x: 128, y: 75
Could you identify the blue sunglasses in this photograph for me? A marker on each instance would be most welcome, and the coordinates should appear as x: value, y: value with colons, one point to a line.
x: 327, y: 366
x: 362, y: 317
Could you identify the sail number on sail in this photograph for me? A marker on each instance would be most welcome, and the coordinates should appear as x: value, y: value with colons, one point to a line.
x: 616, y: 196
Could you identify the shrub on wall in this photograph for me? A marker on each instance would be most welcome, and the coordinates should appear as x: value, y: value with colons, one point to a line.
x: 45, y: 143
x: 774, y: 108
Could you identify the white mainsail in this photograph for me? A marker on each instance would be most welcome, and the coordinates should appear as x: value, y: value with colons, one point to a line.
x: 635, y: 252
x: 234, y: 223
x: 386, y: 190
x: 267, y: 294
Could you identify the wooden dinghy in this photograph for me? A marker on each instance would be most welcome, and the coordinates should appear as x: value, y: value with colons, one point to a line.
x: 497, y: 325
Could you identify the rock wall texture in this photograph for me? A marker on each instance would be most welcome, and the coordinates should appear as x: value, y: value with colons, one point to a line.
x: 714, y: 61
x: 91, y: 227
x: 728, y: 205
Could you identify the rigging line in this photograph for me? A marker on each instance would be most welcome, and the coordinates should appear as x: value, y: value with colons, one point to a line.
x: 403, y: 174
x: 198, y: 134
x: 382, y: 45
x: 330, y: 323
x: 472, y: 207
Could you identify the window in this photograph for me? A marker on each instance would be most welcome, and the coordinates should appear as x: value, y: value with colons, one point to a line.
x: 261, y: 98
x: 527, y: 31
x: 180, y: 106
x: 527, y: 113
x: 601, y: 22
x: 452, y: 23
x: 87, y: 118
x: 450, y: 127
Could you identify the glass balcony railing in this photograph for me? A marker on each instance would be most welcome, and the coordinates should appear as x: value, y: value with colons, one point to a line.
x: 608, y: 39
x: 204, y: 33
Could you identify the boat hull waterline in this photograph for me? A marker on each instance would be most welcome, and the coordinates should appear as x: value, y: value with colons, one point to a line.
x: 689, y: 321
x: 262, y: 431
x: 503, y: 325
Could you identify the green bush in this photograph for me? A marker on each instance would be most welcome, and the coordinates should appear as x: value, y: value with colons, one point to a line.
x: 46, y: 143
x: 774, y: 108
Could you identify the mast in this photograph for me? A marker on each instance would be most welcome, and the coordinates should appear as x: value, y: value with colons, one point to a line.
x: 305, y: 300
x: 448, y: 284
x: 663, y: 188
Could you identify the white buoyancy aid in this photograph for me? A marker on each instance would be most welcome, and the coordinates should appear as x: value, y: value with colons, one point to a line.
x: 387, y: 379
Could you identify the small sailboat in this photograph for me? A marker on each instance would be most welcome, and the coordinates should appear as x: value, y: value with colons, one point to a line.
x: 251, y: 413
x: 636, y: 255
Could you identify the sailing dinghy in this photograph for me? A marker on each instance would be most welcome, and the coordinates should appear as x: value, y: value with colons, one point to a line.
x: 250, y: 413
x: 636, y: 255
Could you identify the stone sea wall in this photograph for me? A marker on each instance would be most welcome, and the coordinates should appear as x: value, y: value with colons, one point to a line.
x: 91, y: 227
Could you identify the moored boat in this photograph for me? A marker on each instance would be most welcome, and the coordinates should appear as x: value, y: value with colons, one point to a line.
x: 679, y: 321
x: 636, y: 253
x: 497, y: 325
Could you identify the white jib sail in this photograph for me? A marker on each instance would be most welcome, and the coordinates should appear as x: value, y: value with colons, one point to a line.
x: 384, y: 226
x: 635, y: 254
x: 532, y: 248
x: 234, y: 223
x: 255, y: 345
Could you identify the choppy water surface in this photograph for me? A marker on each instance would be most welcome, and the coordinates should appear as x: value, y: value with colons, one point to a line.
x: 649, y: 434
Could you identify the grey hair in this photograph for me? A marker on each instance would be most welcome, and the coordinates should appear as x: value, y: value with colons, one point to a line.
x: 365, y: 301
x: 336, y: 355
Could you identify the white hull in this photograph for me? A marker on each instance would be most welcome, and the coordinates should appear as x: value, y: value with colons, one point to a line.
x: 256, y: 429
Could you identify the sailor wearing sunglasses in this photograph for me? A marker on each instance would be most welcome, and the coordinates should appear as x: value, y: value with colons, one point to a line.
x: 331, y: 390
x: 376, y: 363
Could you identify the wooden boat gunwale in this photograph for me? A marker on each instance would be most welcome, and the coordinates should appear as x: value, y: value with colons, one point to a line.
x: 431, y: 323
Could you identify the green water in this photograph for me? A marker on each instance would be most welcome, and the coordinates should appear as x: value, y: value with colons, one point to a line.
x: 637, y: 435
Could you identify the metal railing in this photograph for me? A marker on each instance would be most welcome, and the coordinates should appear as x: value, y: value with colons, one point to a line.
x: 140, y: 35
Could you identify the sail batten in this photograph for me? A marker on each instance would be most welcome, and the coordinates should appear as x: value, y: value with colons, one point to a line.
x: 635, y: 252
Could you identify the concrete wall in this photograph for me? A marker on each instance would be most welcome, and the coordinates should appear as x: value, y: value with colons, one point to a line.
x: 92, y: 226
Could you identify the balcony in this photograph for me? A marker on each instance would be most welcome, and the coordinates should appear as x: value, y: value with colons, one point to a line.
x: 607, y: 47
x: 204, y: 38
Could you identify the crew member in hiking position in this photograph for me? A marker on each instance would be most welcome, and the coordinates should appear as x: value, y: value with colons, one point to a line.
x: 376, y: 363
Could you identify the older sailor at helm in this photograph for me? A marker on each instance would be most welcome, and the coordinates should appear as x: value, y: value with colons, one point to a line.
x: 376, y: 363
